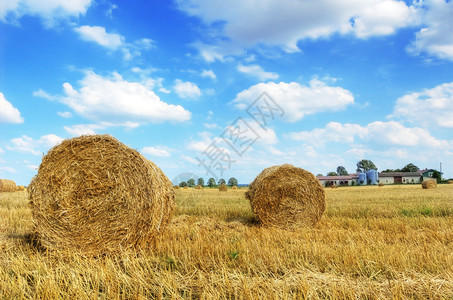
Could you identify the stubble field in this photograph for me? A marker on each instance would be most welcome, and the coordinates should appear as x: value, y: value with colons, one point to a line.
x: 372, y: 242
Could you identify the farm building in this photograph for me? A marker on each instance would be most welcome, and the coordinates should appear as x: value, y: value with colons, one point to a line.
x: 405, y: 177
x: 351, y: 179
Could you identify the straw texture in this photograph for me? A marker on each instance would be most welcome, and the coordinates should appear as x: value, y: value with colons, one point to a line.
x: 95, y: 195
x: 7, y: 185
x: 429, y: 184
x: 286, y: 196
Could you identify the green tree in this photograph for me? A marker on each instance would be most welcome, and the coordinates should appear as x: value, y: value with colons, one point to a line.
x: 332, y: 174
x: 200, y: 181
x: 232, y: 181
x: 437, y: 176
x: 342, y: 171
x: 183, y: 184
x: 211, y: 182
x: 221, y: 181
x: 365, y: 165
x: 191, y: 182
x: 410, y: 168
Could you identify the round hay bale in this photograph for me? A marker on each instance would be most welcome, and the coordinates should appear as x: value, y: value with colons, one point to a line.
x: 223, y: 188
x: 198, y: 187
x: 429, y: 184
x: 286, y: 196
x: 450, y: 182
x: 7, y: 186
x: 234, y: 187
x: 381, y: 184
x: 176, y: 187
x: 186, y: 187
x: 95, y: 195
x: 333, y: 186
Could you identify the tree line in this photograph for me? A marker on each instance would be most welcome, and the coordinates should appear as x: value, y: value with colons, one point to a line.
x: 365, y: 165
x: 211, y: 182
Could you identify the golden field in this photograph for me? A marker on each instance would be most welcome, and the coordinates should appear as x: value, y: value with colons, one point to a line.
x: 372, y: 242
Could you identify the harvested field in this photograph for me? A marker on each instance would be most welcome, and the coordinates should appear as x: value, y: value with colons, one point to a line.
x: 373, y: 243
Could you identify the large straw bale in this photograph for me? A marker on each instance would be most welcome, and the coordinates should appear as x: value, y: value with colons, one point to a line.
x: 95, y: 195
x: 7, y: 185
x: 223, y: 188
x: 198, y: 187
x: 429, y: 184
x: 286, y: 196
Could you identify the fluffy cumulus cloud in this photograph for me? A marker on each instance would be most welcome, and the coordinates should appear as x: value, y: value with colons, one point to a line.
x: 113, y: 41
x: 298, y: 100
x: 115, y: 100
x: 284, y: 23
x: 8, y: 113
x: 26, y: 144
x: 156, y: 151
x: 48, y: 10
x: 435, y: 37
x: 187, y: 89
x: 99, y: 35
x: 377, y: 133
x: 257, y: 71
x: 208, y: 74
x: 432, y: 107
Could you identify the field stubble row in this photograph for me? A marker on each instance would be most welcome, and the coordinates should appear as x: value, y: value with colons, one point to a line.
x: 372, y: 242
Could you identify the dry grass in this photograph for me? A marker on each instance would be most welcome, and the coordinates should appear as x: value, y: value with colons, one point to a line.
x: 373, y: 243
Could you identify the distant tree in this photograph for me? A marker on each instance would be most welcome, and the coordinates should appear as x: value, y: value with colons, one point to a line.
x: 388, y: 171
x: 200, y: 181
x: 365, y: 165
x: 342, y: 171
x: 221, y: 181
x: 211, y: 182
x: 437, y: 176
x: 232, y: 181
x: 183, y: 184
x: 410, y: 168
x: 191, y: 182
x: 332, y: 174
x: 319, y: 175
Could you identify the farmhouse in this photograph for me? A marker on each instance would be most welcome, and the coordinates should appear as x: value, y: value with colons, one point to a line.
x: 405, y: 177
x: 351, y: 179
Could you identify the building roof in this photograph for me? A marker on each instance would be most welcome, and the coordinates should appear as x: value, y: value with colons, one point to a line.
x: 403, y: 174
x: 347, y: 177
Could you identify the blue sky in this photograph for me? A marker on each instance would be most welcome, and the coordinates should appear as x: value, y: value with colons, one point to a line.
x: 227, y: 88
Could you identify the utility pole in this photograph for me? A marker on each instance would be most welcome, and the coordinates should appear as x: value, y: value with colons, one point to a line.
x: 440, y: 171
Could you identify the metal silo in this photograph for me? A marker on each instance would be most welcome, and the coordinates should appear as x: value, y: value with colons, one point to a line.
x: 372, y: 176
x: 362, y: 179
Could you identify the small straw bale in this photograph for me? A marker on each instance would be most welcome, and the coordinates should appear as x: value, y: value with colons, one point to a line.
x: 429, y: 184
x: 287, y: 197
x: 7, y: 186
x: 381, y: 184
x: 223, y: 188
x: 95, y: 195
x: 186, y: 187
x: 234, y: 187
x: 450, y: 182
x: 176, y: 187
x: 198, y: 187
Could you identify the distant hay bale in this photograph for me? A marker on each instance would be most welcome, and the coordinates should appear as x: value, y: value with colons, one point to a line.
x: 7, y: 186
x: 429, y: 184
x: 286, y: 196
x: 333, y: 186
x: 381, y: 184
x: 234, y: 187
x: 21, y: 188
x: 198, y: 187
x: 176, y: 187
x: 186, y: 187
x: 223, y: 188
x: 95, y: 195
x: 450, y: 182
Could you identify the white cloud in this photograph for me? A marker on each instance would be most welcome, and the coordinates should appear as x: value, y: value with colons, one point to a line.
x: 432, y: 107
x: 49, y: 10
x: 99, y: 35
x: 284, y: 22
x: 115, y: 100
x: 8, y: 113
x: 8, y: 170
x: 33, y: 167
x: 83, y: 129
x: 64, y: 114
x: 27, y: 144
x: 297, y: 100
x: 435, y: 38
x: 2, y: 151
x: 186, y: 89
x: 209, y: 74
x: 384, y: 133
x: 113, y: 41
x: 257, y: 71
x: 156, y: 151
